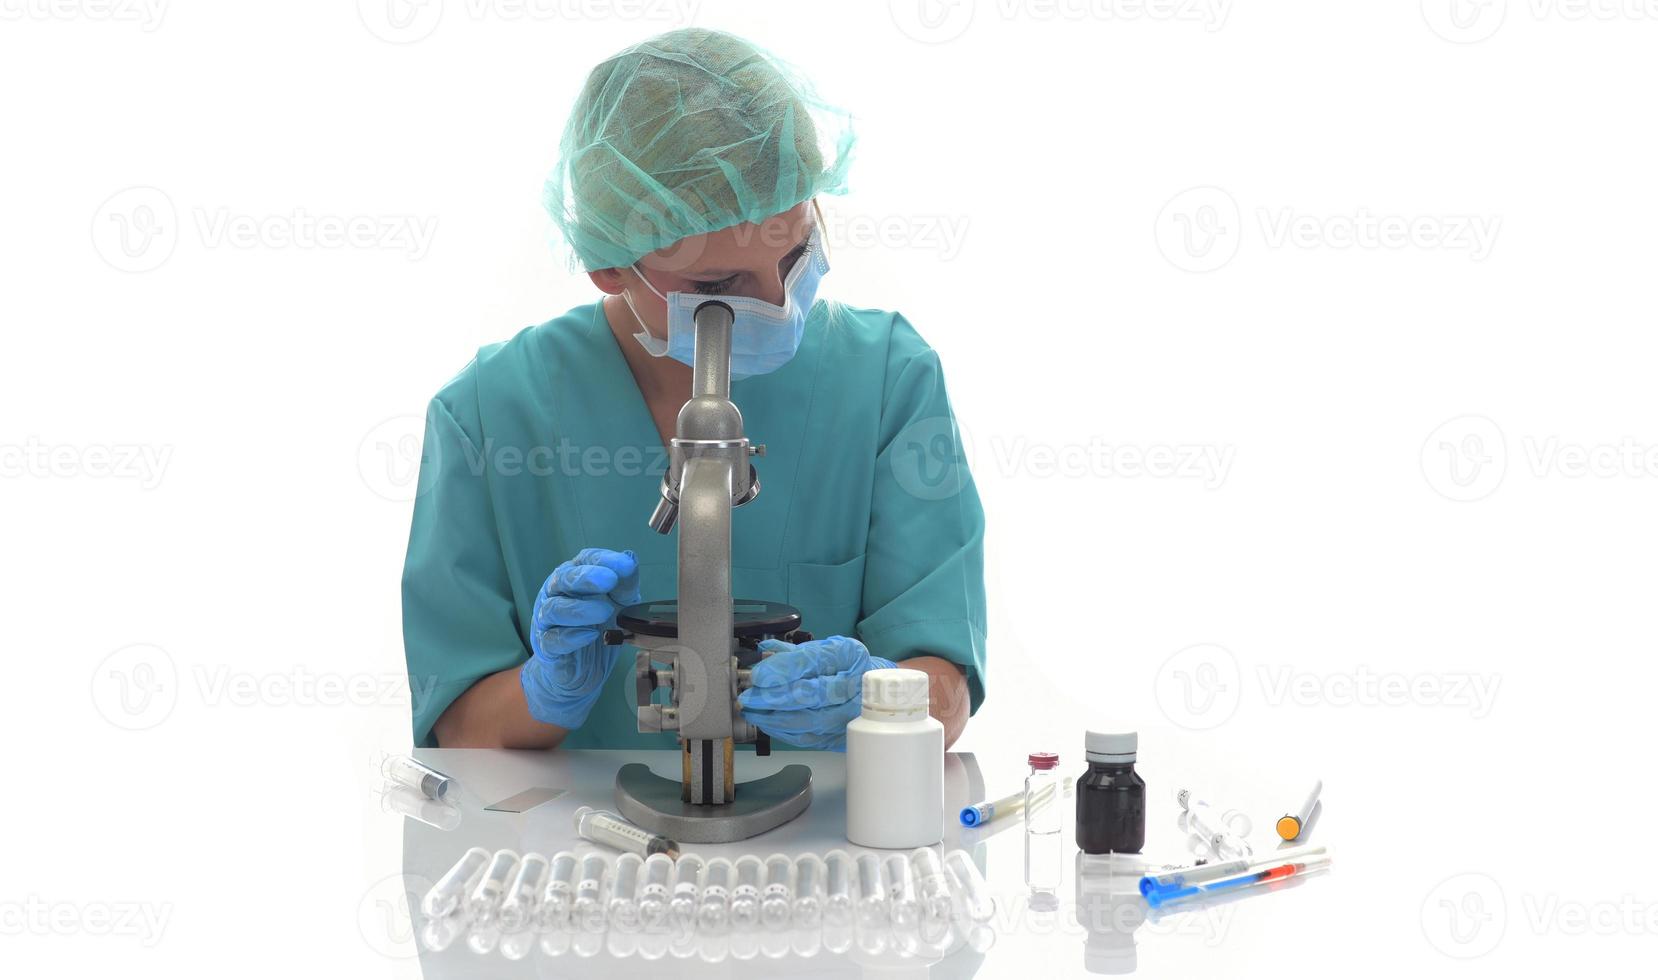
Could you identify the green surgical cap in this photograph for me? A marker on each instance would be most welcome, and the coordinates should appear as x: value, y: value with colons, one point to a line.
x: 687, y: 133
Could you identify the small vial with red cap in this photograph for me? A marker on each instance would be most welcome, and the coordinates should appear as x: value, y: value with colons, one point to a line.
x: 1044, y: 854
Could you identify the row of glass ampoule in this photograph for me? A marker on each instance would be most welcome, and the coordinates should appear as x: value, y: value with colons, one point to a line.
x: 660, y: 893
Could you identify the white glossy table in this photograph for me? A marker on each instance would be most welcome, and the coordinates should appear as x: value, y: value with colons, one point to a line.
x: 1098, y: 926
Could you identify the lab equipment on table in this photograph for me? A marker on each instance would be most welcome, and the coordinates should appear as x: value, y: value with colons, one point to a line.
x: 708, y: 641
x: 1044, y: 845
x: 518, y: 909
x: 1177, y: 878
x: 904, y: 906
x: 418, y: 776
x: 624, y: 893
x: 1222, y: 834
x: 1278, y: 870
x: 587, y: 912
x: 558, y: 898
x: 1290, y: 825
x: 974, y: 892
x: 777, y: 898
x: 451, y: 890
x: 1010, y: 805
x: 486, y: 895
x: 653, y: 893
x: 604, y: 827
x: 895, y: 764
x: 524, y: 801
x: 714, y: 907
x: 745, y: 897
x: 1111, y: 796
x: 809, y: 873
x: 932, y: 883
x: 839, y: 877
x: 413, y: 804
x: 872, y: 892
x: 687, y: 888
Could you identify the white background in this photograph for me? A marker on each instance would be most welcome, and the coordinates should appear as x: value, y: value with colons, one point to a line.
x: 1390, y: 263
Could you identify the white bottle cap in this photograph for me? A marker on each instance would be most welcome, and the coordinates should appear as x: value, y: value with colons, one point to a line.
x: 1115, y: 748
x: 895, y: 693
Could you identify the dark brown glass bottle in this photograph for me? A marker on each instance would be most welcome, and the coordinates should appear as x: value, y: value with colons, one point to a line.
x: 1111, y: 796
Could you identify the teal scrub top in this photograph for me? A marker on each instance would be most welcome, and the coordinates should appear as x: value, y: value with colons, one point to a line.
x: 867, y: 520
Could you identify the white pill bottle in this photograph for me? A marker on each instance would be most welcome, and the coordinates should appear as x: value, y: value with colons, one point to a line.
x: 895, y: 764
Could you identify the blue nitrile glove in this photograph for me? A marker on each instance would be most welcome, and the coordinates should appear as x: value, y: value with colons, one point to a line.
x: 806, y: 694
x: 563, y: 677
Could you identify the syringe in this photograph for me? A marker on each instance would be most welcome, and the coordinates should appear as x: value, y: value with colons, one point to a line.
x: 982, y: 813
x: 1279, y: 870
x: 604, y: 827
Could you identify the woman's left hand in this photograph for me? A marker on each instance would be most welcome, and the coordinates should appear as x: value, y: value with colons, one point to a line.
x: 806, y: 694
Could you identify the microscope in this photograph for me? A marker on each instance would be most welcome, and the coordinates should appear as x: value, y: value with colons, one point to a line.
x: 701, y: 646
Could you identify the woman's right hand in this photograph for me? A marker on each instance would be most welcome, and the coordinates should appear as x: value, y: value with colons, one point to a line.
x: 569, y: 661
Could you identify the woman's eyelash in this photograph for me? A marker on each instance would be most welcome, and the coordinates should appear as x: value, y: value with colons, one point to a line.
x: 714, y: 288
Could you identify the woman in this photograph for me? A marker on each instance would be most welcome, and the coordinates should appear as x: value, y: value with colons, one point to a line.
x: 689, y: 168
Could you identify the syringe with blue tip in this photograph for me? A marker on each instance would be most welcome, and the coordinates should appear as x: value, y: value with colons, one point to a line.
x: 982, y: 813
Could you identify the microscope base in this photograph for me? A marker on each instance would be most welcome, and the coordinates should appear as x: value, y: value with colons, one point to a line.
x: 653, y: 802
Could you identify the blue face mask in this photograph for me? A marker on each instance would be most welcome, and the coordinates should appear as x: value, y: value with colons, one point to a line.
x: 763, y: 337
